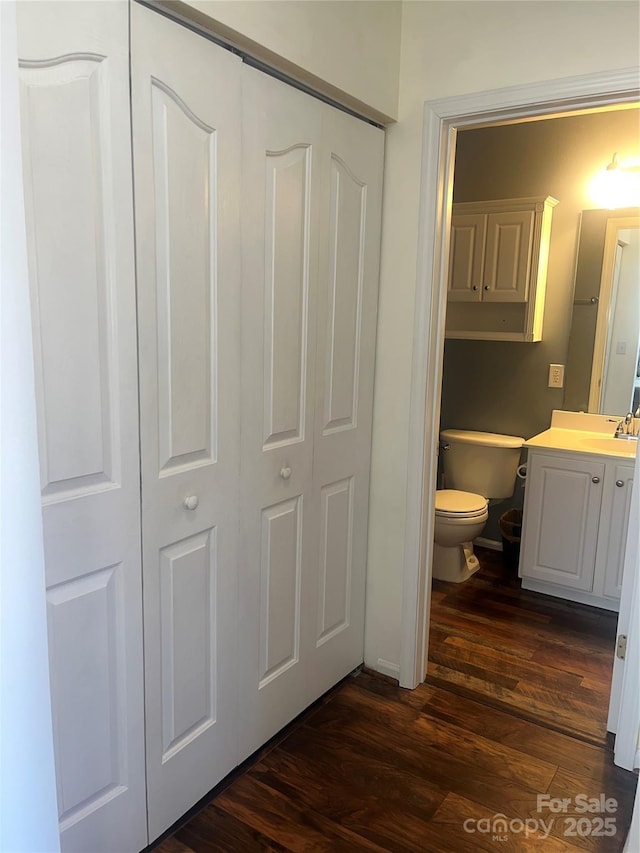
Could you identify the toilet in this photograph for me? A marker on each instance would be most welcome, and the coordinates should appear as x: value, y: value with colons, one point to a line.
x: 477, y: 466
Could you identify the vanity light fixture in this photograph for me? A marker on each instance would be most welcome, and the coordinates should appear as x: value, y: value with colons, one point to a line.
x: 616, y: 186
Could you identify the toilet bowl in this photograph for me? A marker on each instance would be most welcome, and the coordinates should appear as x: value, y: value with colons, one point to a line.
x: 477, y: 467
x: 459, y: 518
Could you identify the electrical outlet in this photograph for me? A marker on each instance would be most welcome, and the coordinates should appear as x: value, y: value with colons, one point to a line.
x: 556, y: 376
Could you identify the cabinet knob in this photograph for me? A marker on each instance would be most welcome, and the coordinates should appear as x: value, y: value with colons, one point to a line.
x: 285, y: 472
x: 191, y: 502
x: 475, y: 287
x: 595, y: 479
x: 619, y: 483
x: 487, y: 287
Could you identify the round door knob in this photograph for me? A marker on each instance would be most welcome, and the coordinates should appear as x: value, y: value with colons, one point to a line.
x: 619, y: 483
x: 595, y: 479
x: 191, y: 502
x: 285, y: 472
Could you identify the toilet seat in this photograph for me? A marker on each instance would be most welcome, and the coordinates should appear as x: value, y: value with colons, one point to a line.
x: 452, y: 503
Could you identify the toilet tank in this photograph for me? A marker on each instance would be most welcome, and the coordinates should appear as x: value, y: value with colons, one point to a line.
x: 480, y: 462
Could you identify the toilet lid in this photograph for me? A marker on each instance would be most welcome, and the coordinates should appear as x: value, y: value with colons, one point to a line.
x: 454, y: 501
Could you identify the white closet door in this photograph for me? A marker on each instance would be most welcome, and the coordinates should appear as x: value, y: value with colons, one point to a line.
x: 77, y: 172
x: 312, y: 182
x: 281, y: 138
x: 186, y: 131
x: 350, y: 204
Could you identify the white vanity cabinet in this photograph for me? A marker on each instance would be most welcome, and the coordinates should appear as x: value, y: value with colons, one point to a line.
x: 498, y: 268
x: 575, y: 518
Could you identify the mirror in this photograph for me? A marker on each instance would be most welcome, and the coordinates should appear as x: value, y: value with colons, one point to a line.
x: 602, y: 359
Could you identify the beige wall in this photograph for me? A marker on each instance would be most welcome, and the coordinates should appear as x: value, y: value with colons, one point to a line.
x: 451, y: 48
x: 353, y: 45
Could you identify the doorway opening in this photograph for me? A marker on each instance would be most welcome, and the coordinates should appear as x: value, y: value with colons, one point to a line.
x: 443, y: 120
x: 545, y: 658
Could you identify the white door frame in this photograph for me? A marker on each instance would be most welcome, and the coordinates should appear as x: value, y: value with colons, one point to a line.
x: 442, y: 119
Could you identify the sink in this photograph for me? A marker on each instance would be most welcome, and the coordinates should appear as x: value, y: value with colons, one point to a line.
x: 599, y: 444
x: 580, y: 432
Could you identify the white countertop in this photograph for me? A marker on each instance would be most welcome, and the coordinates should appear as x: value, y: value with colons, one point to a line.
x: 578, y: 432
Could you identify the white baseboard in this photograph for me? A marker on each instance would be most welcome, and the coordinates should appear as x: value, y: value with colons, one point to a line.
x: 492, y: 544
x: 388, y: 668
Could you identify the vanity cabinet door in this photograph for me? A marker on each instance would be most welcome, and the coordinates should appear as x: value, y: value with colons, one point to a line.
x: 466, y: 257
x: 562, y: 511
x: 618, y: 522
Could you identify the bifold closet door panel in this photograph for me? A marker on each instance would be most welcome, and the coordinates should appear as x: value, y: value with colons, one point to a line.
x: 351, y: 199
x: 74, y: 72
x: 186, y: 132
x: 280, y: 188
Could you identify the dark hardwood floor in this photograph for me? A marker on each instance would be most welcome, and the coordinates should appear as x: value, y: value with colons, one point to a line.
x: 541, y: 658
x: 375, y: 767
x: 514, y: 706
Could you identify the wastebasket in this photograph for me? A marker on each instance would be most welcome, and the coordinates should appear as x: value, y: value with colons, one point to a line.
x: 511, y: 530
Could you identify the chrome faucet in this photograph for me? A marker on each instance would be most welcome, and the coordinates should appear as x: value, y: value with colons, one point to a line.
x: 619, y: 422
x: 625, y: 427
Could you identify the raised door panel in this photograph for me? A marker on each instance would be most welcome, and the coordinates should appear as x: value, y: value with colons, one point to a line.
x: 562, y: 512
x: 281, y: 138
x: 280, y: 571
x: 186, y: 127
x: 347, y: 218
x: 286, y: 293
x: 466, y: 257
x: 74, y: 64
x: 185, y: 171
x: 618, y: 526
x: 507, y: 263
x: 65, y: 115
x: 188, y: 581
x: 88, y: 683
x: 351, y: 190
x: 336, y: 559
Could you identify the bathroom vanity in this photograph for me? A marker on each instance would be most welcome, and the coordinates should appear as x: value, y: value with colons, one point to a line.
x: 576, y: 510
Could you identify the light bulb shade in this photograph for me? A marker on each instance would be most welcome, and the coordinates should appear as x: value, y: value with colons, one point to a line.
x: 615, y: 186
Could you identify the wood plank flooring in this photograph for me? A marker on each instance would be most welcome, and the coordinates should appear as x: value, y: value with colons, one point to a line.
x: 538, y: 657
x: 374, y: 767
x: 514, y: 706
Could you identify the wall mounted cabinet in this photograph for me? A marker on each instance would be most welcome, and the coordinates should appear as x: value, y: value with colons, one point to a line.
x: 575, y: 515
x: 498, y: 269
